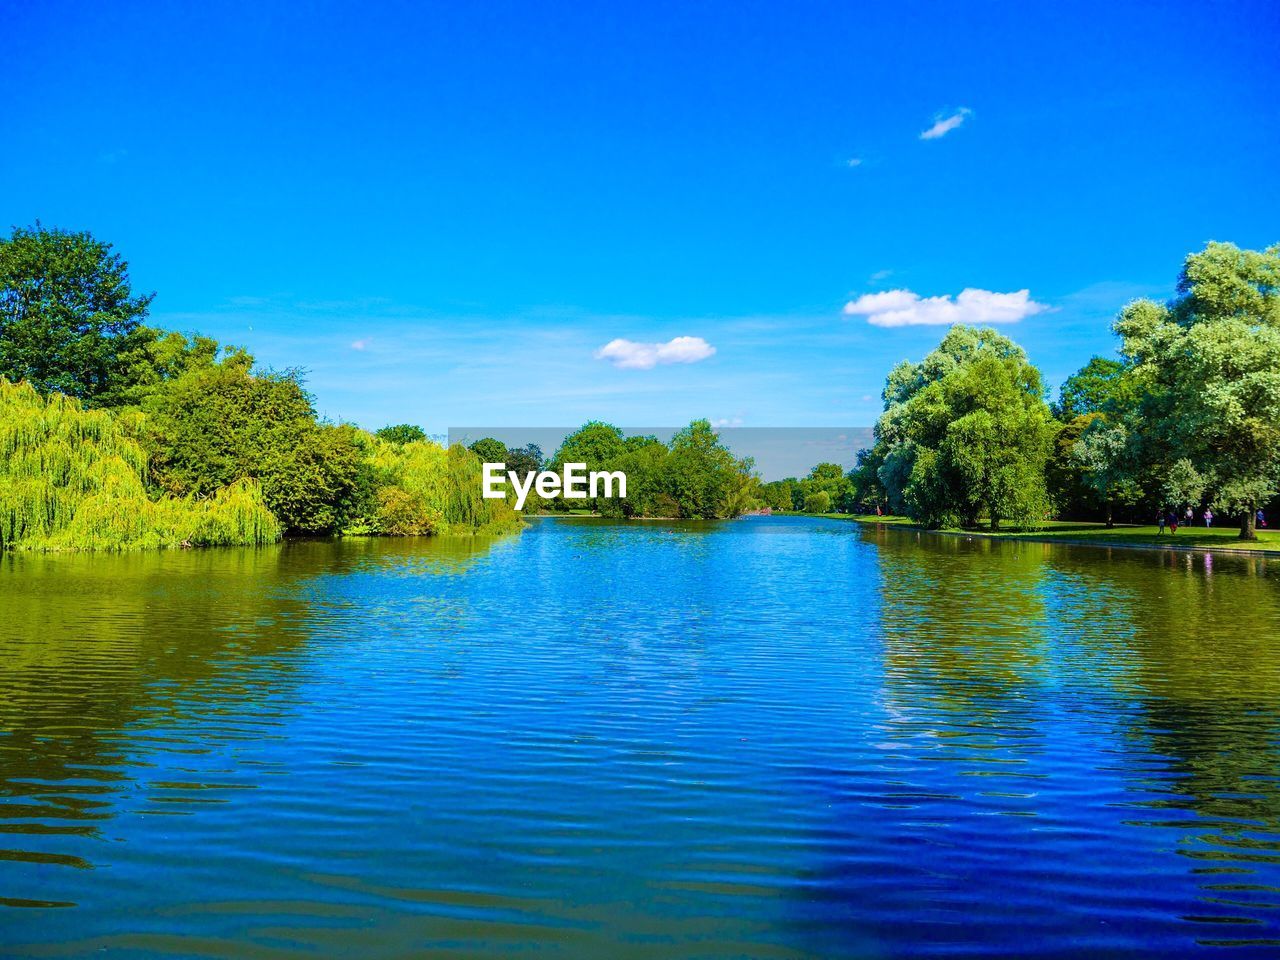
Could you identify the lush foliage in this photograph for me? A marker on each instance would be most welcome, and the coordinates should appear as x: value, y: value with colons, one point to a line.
x: 75, y: 478
x: 219, y: 422
x: 839, y: 491
x: 402, y: 433
x: 68, y: 316
x: 422, y: 488
x: 196, y: 445
x: 966, y: 433
x: 1186, y: 418
x: 1191, y: 415
x: 693, y: 477
x: 124, y: 435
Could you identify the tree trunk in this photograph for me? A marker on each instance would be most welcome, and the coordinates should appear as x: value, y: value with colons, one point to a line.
x: 1248, y: 529
x: 1110, y: 516
x: 995, y: 522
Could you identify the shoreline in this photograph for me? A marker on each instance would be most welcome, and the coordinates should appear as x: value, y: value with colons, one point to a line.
x: 1260, y: 548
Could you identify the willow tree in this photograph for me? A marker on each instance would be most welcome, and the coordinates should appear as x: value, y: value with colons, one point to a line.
x: 1208, y: 364
x: 422, y: 488
x: 72, y: 478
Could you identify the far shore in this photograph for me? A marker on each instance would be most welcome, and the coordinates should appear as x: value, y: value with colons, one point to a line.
x: 1124, y: 536
x: 1196, y: 539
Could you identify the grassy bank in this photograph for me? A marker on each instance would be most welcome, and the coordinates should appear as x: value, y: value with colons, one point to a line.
x: 1096, y: 534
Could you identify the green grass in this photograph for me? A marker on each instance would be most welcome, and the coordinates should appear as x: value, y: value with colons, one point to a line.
x: 1126, y: 535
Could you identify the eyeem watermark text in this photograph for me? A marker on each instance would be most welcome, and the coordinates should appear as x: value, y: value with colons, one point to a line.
x: 574, y: 485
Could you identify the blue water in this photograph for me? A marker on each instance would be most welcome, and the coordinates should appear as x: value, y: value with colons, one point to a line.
x: 775, y: 737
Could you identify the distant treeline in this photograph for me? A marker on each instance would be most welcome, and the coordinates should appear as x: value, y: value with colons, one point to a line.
x: 115, y: 434
x: 694, y: 477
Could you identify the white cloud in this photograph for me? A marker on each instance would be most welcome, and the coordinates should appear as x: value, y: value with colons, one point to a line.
x: 902, y: 308
x: 630, y: 355
x: 362, y: 343
x: 853, y: 162
x: 944, y: 125
x: 727, y: 422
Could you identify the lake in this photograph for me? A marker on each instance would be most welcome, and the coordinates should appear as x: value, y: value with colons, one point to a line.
x: 774, y: 737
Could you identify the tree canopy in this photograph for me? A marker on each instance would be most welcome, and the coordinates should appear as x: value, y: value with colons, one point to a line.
x: 68, y: 315
x: 967, y: 432
x: 693, y: 477
x: 402, y: 433
x: 1208, y: 368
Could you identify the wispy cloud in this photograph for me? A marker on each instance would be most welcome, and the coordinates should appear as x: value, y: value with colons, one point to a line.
x: 362, y: 343
x: 436, y: 368
x: 853, y: 163
x: 902, y: 308
x: 630, y: 355
x: 942, y: 125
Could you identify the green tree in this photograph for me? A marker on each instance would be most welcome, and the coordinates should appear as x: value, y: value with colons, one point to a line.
x: 594, y: 443
x: 524, y: 460
x: 1105, y: 457
x: 489, y: 450
x: 72, y: 478
x: 703, y: 475
x: 776, y: 494
x: 422, y: 488
x: 1208, y: 364
x: 598, y: 445
x: 644, y: 461
x: 967, y: 431
x: 818, y: 502
x: 215, y: 425
x: 402, y: 433
x: 1096, y: 474
x: 1100, y: 386
x: 158, y: 357
x: 67, y: 312
x: 867, y: 492
x: 828, y: 478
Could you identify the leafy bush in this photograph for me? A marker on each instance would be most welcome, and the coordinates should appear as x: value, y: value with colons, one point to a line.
x: 217, y: 424
x: 819, y: 502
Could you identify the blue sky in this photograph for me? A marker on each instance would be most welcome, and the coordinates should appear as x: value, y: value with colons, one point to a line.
x: 446, y: 212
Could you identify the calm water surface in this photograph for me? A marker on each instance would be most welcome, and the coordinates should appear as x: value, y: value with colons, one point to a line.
x: 767, y: 738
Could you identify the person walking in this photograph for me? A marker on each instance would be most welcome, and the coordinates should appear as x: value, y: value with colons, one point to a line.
x: 1160, y: 520
x: 1262, y: 519
x: 1173, y: 522
x: 1208, y: 517
x: 1190, y: 516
